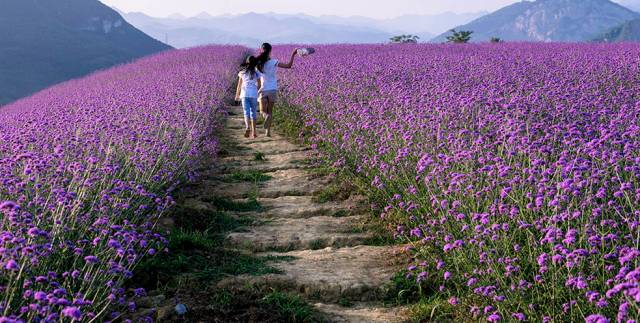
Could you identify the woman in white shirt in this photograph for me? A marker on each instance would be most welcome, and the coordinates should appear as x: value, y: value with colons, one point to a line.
x: 269, y: 90
x: 247, y: 93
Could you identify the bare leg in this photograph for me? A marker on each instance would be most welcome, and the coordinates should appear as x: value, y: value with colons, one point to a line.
x: 246, y: 127
x: 264, y: 103
x: 269, y: 119
x: 254, y: 133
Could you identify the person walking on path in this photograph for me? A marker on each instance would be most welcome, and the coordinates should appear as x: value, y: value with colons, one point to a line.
x: 247, y: 92
x: 268, y: 67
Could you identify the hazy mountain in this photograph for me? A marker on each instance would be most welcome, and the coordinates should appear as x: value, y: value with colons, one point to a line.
x: 629, y: 31
x: 253, y: 28
x: 409, y: 24
x: 43, y: 42
x: 549, y: 20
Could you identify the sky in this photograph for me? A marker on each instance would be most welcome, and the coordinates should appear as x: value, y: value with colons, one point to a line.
x: 369, y: 8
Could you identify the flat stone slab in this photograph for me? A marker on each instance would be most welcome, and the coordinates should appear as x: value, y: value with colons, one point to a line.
x: 292, y: 182
x: 298, y: 207
x: 272, y: 163
x: 296, y: 234
x: 359, y: 273
x: 270, y: 147
x: 361, y: 313
x: 289, y: 182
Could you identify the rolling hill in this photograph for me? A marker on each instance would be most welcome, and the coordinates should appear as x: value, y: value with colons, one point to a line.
x: 43, y: 42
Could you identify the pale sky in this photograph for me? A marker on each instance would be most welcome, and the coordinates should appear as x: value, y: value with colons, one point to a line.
x: 370, y: 8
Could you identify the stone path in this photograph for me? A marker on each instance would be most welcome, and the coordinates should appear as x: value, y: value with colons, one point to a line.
x: 329, y: 264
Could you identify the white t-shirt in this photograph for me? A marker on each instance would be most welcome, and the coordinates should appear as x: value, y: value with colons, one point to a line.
x: 249, y: 87
x: 269, y: 76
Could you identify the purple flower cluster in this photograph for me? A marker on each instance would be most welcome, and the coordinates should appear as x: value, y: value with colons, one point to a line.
x: 86, y: 170
x: 514, y: 167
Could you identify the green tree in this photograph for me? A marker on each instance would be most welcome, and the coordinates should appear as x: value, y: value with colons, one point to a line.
x: 496, y: 40
x: 459, y: 37
x: 404, y: 39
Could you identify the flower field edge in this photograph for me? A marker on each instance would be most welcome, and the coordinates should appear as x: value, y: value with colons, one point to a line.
x: 87, y: 168
x: 513, y: 168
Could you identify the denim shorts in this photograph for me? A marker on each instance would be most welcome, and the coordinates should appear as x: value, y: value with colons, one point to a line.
x: 250, y: 106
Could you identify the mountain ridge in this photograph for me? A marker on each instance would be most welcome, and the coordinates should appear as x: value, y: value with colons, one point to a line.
x: 288, y: 28
x: 548, y: 20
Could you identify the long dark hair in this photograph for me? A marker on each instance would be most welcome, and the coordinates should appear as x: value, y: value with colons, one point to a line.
x: 263, y: 58
x: 249, y: 66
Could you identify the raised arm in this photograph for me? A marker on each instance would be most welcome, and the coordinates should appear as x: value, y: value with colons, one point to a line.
x: 239, y: 89
x: 290, y: 64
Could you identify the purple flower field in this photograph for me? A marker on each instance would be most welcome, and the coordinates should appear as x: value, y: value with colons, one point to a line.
x: 87, y: 168
x: 511, y: 170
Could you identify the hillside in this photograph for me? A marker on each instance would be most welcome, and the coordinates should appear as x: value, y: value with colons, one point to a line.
x: 43, y: 42
x: 549, y: 20
x: 629, y: 31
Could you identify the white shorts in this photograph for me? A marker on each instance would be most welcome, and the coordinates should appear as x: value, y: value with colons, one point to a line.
x: 271, y: 96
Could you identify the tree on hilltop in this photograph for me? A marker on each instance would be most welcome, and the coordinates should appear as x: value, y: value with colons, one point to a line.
x: 459, y: 37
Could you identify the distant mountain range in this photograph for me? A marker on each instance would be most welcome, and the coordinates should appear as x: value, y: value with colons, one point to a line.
x: 43, y: 42
x: 252, y: 29
x: 549, y: 20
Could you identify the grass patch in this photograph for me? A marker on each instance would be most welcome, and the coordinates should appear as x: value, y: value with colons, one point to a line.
x: 259, y: 156
x: 433, y: 309
x: 340, y: 214
x: 252, y: 176
x: 423, y: 302
x: 339, y: 190
x: 317, y: 244
x: 291, y: 307
x: 195, y: 249
x: 282, y: 249
x: 294, y: 193
x: 382, y: 230
x: 330, y: 193
x: 232, y: 263
x: 303, y: 162
x: 206, y: 220
x: 200, y: 254
x: 257, y: 304
x: 404, y: 290
x: 322, y: 171
x: 345, y: 302
x: 291, y: 121
x: 225, y: 204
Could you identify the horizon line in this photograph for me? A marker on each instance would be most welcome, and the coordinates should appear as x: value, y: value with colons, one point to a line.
x: 296, y: 14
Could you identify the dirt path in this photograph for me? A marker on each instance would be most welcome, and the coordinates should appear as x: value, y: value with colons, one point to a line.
x: 328, y: 262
